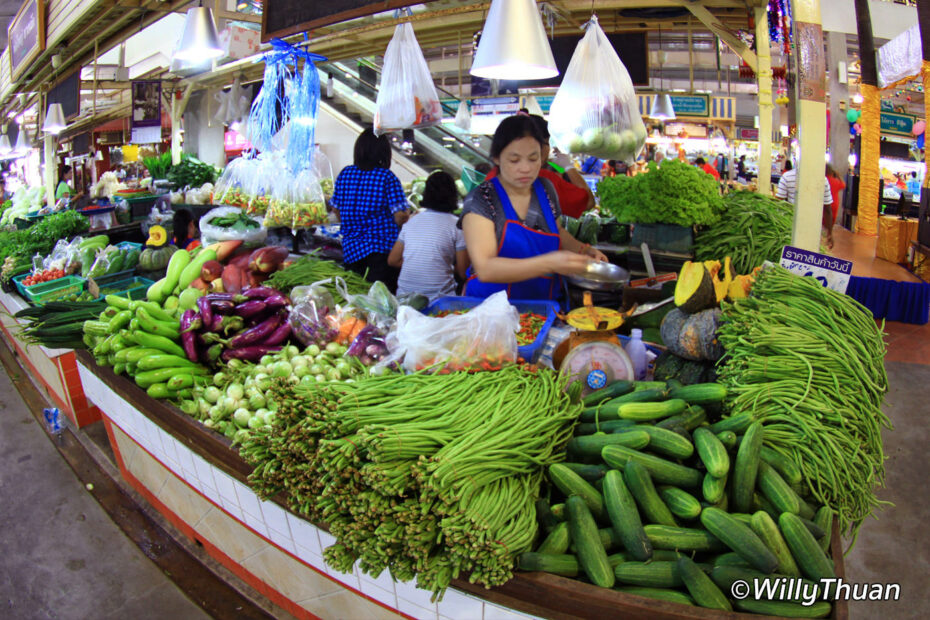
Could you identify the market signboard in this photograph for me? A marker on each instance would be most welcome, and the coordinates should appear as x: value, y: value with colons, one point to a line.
x: 832, y: 272
x: 897, y: 124
x: 495, y: 105
x: 145, y: 118
x: 26, y: 36
x: 691, y: 105
x: 744, y: 133
x: 281, y: 18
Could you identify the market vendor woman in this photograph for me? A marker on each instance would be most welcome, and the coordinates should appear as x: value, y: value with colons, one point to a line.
x: 511, y: 223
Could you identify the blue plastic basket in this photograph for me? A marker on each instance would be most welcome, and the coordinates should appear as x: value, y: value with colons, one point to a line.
x: 528, y: 352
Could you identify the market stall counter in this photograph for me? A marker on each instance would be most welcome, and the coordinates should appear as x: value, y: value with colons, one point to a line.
x: 197, y: 480
x: 55, y: 370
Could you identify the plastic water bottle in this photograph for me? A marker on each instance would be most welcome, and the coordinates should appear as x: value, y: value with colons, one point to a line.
x: 637, y: 352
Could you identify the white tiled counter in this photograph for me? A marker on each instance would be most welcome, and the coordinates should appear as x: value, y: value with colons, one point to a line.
x: 273, y: 550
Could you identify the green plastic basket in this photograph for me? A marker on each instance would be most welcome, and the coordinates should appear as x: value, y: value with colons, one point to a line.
x: 471, y: 178
x: 41, y: 294
x: 133, y: 288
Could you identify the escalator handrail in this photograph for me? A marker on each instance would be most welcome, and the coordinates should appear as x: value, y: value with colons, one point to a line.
x: 465, y: 143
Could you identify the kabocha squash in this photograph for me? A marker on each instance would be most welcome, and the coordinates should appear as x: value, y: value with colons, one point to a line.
x: 739, y: 288
x: 156, y: 259
x: 693, y: 337
x: 722, y: 285
x: 695, y: 290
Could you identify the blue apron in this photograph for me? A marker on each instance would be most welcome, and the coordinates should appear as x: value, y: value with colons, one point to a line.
x: 520, y: 241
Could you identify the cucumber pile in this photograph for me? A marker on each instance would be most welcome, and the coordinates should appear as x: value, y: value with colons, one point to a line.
x: 654, y: 501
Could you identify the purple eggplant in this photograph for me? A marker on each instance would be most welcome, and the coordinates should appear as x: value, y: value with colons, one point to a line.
x: 279, y: 335
x: 256, y: 334
x: 260, y: 292
x: 187, y: 336
x: 196, y: 322
x: 206, y: 312
x: 250, y: 308
x: 249, y: 354
x: 276, y: 301
x: 233, y: 297
x: 222, y: 307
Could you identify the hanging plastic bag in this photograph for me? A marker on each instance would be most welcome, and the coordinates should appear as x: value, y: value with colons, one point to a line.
x: 280, y: 211
x: 407, y: 98
x: 595, y: 110
x: 324, y: 172
x: 482, y: 338
x: 463, y: 117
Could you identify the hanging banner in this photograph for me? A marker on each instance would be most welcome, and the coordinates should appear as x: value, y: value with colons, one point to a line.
x: 145, y: 115
x: 26, y: 36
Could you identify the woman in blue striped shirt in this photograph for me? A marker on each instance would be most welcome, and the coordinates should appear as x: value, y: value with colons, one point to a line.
x: 371, y: 206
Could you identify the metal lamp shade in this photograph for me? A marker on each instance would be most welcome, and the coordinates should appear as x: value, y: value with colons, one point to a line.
x: 22, y: 142
x: 661, y: 108
x: 199, y: 40
x: 513, y: 44
x: 54, y: 119
x: 5, y: 147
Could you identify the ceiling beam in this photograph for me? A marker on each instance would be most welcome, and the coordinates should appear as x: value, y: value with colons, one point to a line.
x: 726, y: 35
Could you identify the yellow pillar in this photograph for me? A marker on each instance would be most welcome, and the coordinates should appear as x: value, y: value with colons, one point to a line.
x: 810, y: 87
x: 764, y: 74
x: 869, y: 154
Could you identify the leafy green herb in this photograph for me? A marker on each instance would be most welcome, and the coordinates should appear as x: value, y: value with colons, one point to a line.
x: 673, y: 193
x: 42, y: 236
x: 192, y: 172
x: 158, y: 166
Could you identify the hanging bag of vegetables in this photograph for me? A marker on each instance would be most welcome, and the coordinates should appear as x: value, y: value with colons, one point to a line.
x: 595, y: 109
x: 407, y: 97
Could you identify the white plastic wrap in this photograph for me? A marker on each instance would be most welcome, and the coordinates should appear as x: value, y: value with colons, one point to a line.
x: 210, y: 234
x: 595, y: 110
x: 900, y: 58
x: 485, y: 334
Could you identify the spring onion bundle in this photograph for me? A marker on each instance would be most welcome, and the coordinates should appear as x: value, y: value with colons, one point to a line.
x: 429, y: 476
x: 809, y: 363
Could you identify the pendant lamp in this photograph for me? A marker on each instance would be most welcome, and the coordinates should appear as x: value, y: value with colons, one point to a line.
x: 22, y: 142
x: 54, y: 119
x: 513, y: 44
x: 199, y: 40
x: 662, y: 108
x: 5, y: 147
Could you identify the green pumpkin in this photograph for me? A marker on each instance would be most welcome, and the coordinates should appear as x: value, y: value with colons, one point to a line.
x: 156, y: 259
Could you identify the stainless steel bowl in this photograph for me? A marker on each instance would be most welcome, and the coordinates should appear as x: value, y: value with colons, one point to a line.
x: 602, y: 271
x: 601, y: 276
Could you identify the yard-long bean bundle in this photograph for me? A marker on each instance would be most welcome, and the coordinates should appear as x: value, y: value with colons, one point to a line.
x: 809, y: 362
x: 751, y: 230
x: 430, y: 476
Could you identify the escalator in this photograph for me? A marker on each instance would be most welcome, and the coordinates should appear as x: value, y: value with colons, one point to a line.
x: 432, y: 148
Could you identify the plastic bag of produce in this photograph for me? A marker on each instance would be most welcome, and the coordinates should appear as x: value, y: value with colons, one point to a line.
x: 378, y: 305
x: 482, y: 338
x: 260, y: 181
x: 308, y: 198
x: 595, y: 110
x: 311, y: 305
x: 407, y: 97
x: 228, y: 188
x: 324, y: 172
x: 280, y: 211
x: 231, y: 224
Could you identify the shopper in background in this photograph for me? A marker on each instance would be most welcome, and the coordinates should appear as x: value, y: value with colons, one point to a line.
x: 370, y: 204
x: 575, y: 197
x: 430, y: 250
x: 829, y: 212
x: 185, y: 230
x: 913, y: 186
x: 703, y: 165
x: 4, y: 195
x: 511, y: 223
x: 741, y: 169
x: 788, y: 189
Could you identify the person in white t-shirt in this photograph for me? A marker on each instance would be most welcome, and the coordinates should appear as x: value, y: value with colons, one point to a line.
x: 430, y: 249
